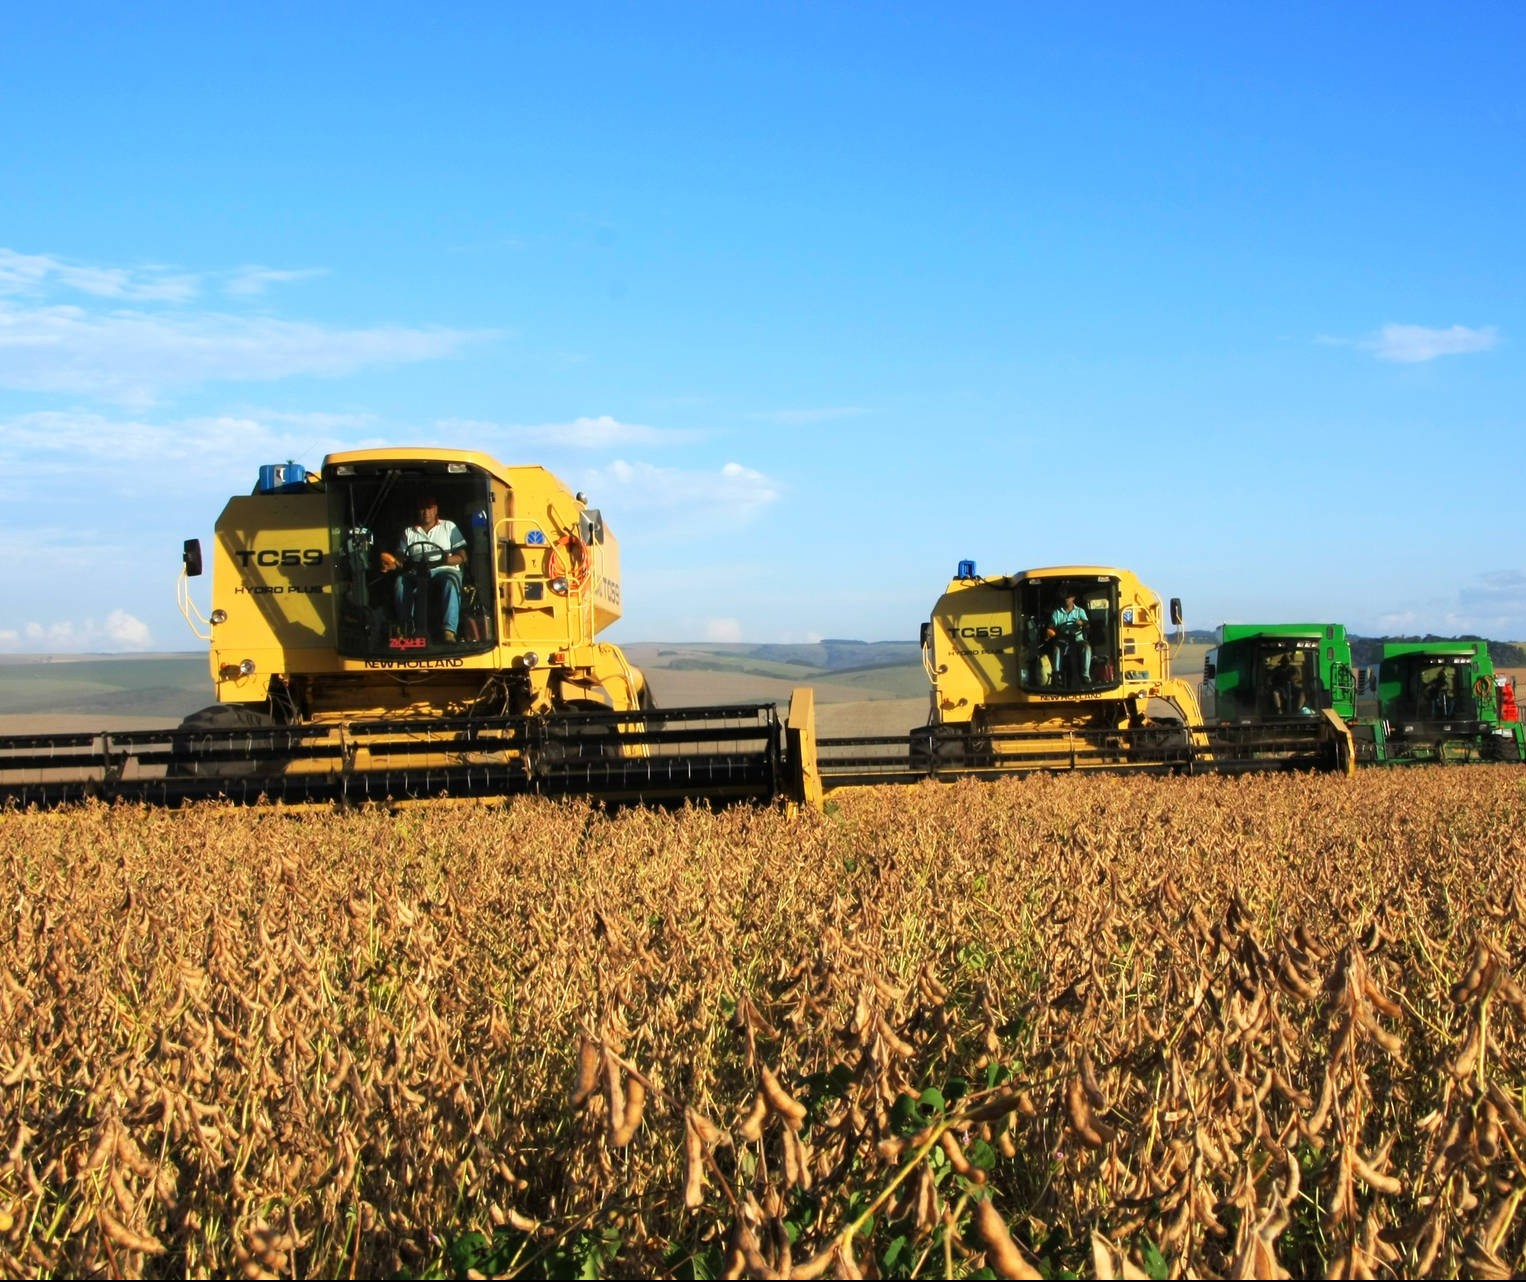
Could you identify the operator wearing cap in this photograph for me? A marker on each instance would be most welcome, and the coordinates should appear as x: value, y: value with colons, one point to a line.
x: 1067, y: 628
x: 437, y: 545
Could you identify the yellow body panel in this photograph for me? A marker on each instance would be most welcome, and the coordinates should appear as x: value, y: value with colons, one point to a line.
x: 270, y: 575
x: 275, y: 635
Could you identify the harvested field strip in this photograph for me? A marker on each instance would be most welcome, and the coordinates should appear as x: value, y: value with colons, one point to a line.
x: 1206, y: 1025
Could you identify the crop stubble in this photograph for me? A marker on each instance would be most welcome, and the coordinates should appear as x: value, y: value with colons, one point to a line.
x: 1202, y: 1025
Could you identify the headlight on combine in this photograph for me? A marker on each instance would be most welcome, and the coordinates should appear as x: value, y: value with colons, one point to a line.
x: 219, y: 616
x: 246, y: 667
x: 527, y: 660
x: 559, y: 586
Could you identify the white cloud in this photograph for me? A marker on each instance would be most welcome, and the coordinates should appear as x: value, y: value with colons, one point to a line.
x: 247, y: 282
x: 729, y: 496
x: 1491, y: 604
x: 56, y: 334
x: 71, y: 548
x: 315, y: 420
x: 728, y: 631
x: 795, y: 418
x: 70, y: 461
x: 128, y: 632
x: 33, y: 273
x: 120, y: 632
x: 1397, y: 623
x: 132, y: 356
x: 601, y: 433
x: 1499, y: 586
x: 74, y: 438
x: 604, y: 433
x: 1414, y: 343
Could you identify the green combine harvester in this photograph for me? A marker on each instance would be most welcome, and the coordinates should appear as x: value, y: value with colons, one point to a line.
x: 1441, y: 701
x: 1429, y: 701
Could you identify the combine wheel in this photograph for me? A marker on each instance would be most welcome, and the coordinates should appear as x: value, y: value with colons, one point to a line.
x: 205, y: 754
x: 1364, y: 739
x: 1162, y: 736
x: 1504, y: 744
x: 567, y: 742
x: 978, y: 752
x: 923, y: 750
x: 942, y: 747
x: 1168, y: 743
x: 1342, y: 756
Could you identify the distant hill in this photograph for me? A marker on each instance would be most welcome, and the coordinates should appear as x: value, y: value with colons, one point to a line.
x: 169, y: 686
x: 114, y: 691
x: 823, y: 656
x: 839, y: 670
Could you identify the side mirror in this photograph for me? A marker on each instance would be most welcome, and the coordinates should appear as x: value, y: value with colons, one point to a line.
x: 593, y: 526
x: 1176, y: 611
x: 191, y: 556
x: 1210, y: 670
x: 926, y: 634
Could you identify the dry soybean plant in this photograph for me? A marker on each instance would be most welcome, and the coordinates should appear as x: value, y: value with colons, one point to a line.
x: 1213, y: 1027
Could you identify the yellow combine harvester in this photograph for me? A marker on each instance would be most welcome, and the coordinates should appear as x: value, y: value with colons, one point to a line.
x: 1065, y: 668
x: 408, y: 623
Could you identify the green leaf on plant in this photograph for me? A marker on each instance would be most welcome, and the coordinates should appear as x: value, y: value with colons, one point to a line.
x: 981, y: 1155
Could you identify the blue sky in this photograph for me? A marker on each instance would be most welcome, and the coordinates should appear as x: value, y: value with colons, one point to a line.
x: 813, y: 301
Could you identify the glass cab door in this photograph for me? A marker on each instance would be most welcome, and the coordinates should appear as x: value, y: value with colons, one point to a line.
x: 1069, y: 633
x: 413, y: 564
x: 1286, y: 680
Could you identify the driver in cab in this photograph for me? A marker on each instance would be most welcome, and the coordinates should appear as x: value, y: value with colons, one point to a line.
x: 1067, y: 637
x: 435, y: 545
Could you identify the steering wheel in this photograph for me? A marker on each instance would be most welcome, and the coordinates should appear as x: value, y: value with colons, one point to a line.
x: 425, y: 556
x: 1071, y: 631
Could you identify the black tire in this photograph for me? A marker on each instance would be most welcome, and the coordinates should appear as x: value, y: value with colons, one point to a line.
x: 1170, y: 744
x: 568, y: 742
x: 210, y: 736
x: 935, y: 747
x: 922, y: 752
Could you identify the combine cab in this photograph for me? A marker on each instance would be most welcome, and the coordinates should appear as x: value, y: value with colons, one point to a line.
x: 1067, y: 668
x: 1284, y: 671
x: 408, y: 623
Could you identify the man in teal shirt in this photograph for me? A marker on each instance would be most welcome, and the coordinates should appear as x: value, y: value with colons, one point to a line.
x: 1067, y: 629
